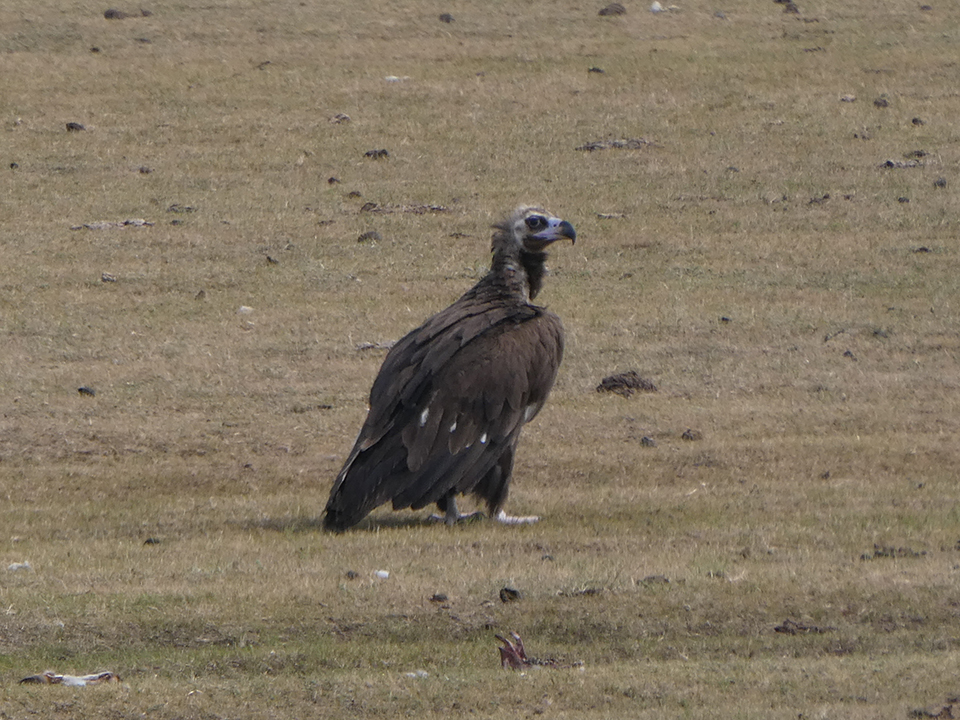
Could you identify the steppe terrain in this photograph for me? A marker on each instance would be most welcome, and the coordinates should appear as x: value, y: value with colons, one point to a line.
x: 767, y: 212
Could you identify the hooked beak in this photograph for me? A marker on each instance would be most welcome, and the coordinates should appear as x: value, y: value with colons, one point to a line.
x: 557, y: 229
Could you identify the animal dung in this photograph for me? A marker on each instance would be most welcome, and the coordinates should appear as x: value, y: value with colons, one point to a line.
x: 613, y: 9
x: 625, y: 384
x: 509, y: 594
x: 618, y: 144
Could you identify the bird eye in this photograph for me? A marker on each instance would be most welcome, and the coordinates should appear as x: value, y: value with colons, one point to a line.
x: 535, y: 222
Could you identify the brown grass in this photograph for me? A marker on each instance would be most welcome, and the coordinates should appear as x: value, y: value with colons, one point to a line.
x: 810, y: 342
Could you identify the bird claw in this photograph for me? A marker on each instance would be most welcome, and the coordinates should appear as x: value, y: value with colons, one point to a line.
x: 502, y: 517
x: 460, y: 518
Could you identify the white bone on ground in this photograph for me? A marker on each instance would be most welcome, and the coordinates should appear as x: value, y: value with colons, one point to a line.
x: 502, y: 517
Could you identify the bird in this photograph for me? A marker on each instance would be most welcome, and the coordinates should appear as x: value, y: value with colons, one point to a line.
x: 451, y: 397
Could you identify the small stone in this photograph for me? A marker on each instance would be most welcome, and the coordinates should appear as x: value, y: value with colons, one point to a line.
x: 446, y: 18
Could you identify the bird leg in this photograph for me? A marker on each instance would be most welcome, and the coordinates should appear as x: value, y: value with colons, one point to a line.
x: 502, y: 517
x: 450, y: 514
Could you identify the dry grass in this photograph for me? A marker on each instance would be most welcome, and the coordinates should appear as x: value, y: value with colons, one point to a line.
x: 811, y: 343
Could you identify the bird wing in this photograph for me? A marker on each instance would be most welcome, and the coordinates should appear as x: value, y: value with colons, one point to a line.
x: 448, y: 401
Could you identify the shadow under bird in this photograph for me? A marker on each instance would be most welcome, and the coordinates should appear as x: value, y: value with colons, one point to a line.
x: 452, y: 396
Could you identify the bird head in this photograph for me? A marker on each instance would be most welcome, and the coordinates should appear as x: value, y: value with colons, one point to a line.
x: 534, y: 228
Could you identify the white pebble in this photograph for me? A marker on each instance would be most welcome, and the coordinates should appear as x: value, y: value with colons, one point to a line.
x: 382, y: 574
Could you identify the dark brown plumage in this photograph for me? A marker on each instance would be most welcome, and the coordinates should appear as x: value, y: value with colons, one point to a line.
x: 451, y: 397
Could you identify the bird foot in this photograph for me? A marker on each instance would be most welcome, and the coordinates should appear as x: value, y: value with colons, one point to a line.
x: 502, y: 517
x: 456, y: 520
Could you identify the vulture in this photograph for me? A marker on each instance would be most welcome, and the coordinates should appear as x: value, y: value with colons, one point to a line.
x: 450, y: 400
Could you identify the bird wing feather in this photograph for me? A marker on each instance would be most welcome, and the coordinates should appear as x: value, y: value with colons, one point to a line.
x: 448, y: 401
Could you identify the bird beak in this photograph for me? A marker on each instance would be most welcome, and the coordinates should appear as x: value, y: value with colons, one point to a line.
x: 557, y: 229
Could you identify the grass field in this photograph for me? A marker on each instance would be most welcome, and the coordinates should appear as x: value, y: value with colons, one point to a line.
x: 780, y: 257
